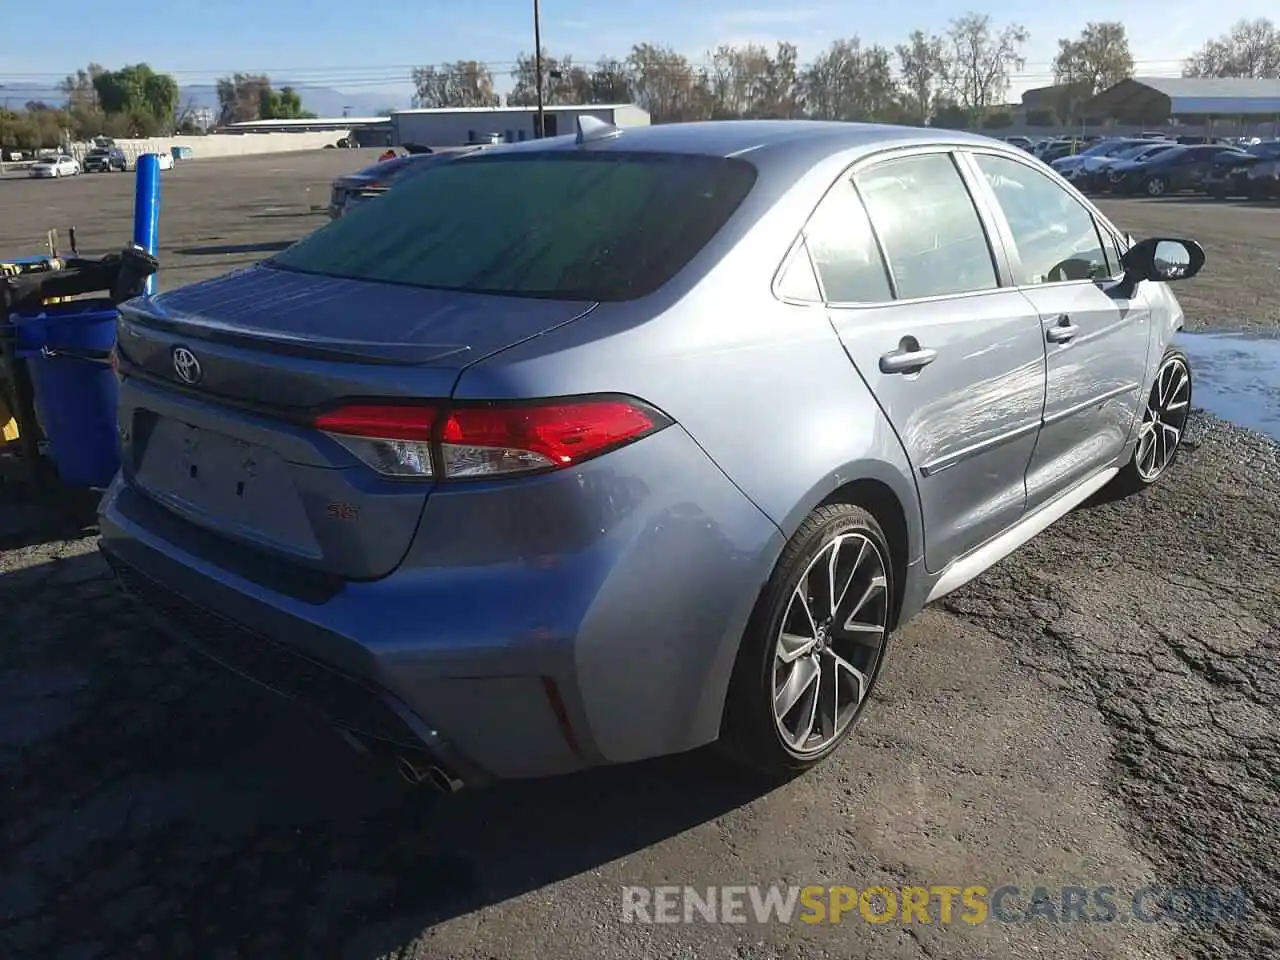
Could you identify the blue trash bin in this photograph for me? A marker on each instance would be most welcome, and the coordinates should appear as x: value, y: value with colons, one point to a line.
x: 67, y: 346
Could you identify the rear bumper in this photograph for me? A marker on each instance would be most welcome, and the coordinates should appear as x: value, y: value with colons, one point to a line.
x: 518, y: 638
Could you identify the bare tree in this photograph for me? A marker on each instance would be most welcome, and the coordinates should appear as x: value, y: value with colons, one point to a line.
x: 920, y: 65
x: 977, y: 62
x: 848, y: 81
x: 664, y: 83
x: 464, y: 83
x: 1250, y: 49
x: 749, y: 81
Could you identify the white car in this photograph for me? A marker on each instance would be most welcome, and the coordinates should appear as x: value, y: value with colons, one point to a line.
x: 166, y: 161
x: 59, y: 166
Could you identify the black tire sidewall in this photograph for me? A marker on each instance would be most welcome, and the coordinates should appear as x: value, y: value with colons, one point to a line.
x: 749, y: 731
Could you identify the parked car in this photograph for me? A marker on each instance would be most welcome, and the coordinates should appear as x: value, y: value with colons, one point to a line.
x: 1022, y: 143
x: 1229, y: 176
x: 485, y: 476
x: 164, y: 160
x: 1094, y: 176
x: 1099, y: 151
x: 1262, y: 181
x: 1170, y: 171
x: 60, y: 165
x: 352, y: 189
x: 1059, y: 149
x: 105, y: 159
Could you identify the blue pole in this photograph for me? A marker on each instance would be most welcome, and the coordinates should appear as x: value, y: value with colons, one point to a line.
x: 146, y: 209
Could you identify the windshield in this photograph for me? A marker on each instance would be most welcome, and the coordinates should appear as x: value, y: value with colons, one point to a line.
x: 562, y: 225
x: 1146, y: 152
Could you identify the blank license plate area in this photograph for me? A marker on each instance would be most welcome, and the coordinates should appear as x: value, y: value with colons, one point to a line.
x: 226, y: 484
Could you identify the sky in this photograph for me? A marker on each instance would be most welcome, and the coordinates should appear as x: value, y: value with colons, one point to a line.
x: 370, y: 46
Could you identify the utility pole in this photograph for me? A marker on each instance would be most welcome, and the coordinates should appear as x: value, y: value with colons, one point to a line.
x: 537, y: 65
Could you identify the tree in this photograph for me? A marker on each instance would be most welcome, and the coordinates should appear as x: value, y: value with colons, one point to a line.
x: 850, y: 82
x: 1095, y: 60
x: 240, y: 97
x: 464, y: 83
x: 749, y: 81
x: 149, y: 98
x: 562, y: 82
x: 977, y: 62
x: 920, y: 66
x: 665, y: 84
x: 282, y: 104
x: 78, y: 87
x: 1251, y: 48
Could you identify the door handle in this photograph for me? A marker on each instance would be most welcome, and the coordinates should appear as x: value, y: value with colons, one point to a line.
x: 910, y: 357
x: 1063, y: 331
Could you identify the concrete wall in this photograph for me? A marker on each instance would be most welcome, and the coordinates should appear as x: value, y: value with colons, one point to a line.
x: 224, y: 144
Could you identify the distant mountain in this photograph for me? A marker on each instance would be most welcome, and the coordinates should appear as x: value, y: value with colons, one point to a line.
x: 322, y: 101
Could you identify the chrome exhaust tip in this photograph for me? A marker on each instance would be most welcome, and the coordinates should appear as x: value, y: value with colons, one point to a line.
x: 415, y: 773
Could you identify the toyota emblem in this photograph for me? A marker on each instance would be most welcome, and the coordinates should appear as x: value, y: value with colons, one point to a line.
x: 186, y: 365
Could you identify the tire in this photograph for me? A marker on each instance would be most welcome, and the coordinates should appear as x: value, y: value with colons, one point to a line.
x: 847, y: 663
x: 1156, y: 187
x: 1169, y: 406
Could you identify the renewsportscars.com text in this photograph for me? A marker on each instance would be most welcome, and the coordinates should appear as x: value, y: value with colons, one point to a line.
x: 936, y: 904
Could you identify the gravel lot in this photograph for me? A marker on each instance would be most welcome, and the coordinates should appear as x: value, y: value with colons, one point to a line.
x: 1099, y: 710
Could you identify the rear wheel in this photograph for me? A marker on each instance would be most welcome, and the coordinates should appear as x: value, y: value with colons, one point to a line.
x: 1164, y: 423
x: 1157, y: 186
x: 813, y: 649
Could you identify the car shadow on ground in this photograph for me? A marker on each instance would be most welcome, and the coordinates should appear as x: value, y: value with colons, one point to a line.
x: 272, y: 246
x: 155, y: 804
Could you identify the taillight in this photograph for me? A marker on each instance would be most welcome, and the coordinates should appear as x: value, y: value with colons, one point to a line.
x: 394, y: 440
x: 475, y: 441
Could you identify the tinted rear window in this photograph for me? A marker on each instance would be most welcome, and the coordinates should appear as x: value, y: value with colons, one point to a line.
x: 564, y: 225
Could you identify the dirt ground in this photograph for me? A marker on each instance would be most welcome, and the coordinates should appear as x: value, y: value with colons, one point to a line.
x: 1102, y: 709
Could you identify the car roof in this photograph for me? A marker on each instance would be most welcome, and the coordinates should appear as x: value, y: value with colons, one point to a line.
x: 765, y: 141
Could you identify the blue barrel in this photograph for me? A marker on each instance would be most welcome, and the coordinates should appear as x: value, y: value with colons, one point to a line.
x: 66, y: 346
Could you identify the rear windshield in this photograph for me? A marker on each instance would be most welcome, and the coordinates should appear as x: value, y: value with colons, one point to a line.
x: 563, y: 225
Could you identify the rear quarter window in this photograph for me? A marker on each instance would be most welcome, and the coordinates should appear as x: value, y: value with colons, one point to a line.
x: 567, y: 225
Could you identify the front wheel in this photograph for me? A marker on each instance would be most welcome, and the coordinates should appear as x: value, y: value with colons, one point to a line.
x: 814, y: 646
x: 1164, y: 424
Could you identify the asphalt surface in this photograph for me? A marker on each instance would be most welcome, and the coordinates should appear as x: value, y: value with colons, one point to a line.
x: 1099, y: 710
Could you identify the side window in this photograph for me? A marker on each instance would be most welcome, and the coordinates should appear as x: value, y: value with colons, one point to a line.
x: 1056, y: 237
x: 844, y: 249
x: 930, y: 229
x: 798, y: 281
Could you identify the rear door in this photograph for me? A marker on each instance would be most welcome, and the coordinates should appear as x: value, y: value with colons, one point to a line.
x: 1094, y: 335
x: 954, y: 360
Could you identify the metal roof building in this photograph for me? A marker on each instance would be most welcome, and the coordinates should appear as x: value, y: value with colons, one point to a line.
x: 454, y: 126
x: 1156, y: 99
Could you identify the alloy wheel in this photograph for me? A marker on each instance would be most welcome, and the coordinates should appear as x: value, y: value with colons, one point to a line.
x: 1155, y: 186
x: 1165, y: 419
x: 830, y: 643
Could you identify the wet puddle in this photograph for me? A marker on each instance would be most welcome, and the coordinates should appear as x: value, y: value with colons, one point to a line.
x: 1237, y: 377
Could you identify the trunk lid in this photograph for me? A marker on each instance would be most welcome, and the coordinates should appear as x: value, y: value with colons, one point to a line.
x: 226, y: 442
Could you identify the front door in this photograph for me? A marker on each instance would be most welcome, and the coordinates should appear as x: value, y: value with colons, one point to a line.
x: 1095, y: 331
x: 953, y: 360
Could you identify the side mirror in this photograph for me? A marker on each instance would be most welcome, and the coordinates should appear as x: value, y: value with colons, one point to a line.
x: 1161, y: 259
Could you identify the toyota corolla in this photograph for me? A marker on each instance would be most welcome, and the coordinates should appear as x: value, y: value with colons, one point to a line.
x: 598, y: 448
